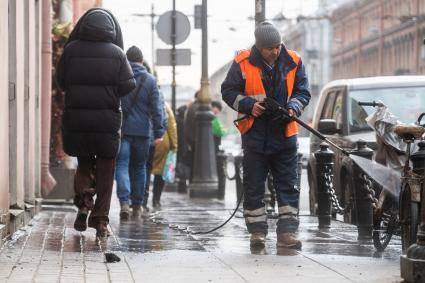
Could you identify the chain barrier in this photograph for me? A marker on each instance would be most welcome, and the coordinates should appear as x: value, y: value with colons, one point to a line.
x: 368, y: 186
x: 328, y: 176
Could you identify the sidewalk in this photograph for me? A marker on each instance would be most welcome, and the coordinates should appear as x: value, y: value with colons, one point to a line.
x: 154, y: 250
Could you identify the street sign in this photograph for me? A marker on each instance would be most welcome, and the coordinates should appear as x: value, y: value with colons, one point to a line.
x: 163, y: 27
x: 198, y: 16
x: 163, y: 57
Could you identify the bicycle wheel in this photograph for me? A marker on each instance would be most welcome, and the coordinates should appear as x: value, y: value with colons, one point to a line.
x: 409, y: 217
x: 385, y: 224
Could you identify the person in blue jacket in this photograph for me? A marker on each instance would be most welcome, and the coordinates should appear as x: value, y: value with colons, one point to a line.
x: 268, y: 70
x: 142, y: 109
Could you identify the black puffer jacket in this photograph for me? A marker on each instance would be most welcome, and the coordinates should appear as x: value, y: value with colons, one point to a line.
x: 94, y: 72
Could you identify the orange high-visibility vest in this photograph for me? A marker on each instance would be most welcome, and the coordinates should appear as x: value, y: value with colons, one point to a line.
x: 254, y: 87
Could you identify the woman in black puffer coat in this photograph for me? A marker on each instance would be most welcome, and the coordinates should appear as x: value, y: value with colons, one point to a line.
x: 94, y: 72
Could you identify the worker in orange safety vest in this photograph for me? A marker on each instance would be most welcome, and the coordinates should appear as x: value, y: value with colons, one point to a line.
x: 269, y: 70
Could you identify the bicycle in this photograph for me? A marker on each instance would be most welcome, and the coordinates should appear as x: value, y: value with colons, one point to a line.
x: 411, y: 184
x: 399, y: 215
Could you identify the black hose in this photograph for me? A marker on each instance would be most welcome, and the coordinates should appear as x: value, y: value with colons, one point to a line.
x: 218, y: 227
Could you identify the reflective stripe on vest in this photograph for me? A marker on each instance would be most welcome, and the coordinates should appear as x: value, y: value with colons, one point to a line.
x: 254, y: 88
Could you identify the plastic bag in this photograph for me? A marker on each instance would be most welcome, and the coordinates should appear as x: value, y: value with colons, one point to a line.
x: 169, y: 171
x: 391, y: 149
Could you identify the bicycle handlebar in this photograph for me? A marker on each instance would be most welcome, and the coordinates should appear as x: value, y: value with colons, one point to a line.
x: 373, y: 104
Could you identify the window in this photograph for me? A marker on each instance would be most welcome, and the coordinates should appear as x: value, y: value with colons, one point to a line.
x: 337, y: 111
x: 328, y: 107
x: 406, y: 103
x: 333, y: 108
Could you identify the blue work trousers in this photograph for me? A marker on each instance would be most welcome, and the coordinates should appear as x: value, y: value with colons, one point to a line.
x: 283, y: 167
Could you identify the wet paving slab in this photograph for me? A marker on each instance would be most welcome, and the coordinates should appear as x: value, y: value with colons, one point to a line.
x: 157, y: 248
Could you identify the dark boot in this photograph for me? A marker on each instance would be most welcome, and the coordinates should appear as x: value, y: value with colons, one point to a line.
x: 80, y: 223
x: 101, y: 227
x: 102, y: 232
x: 156, y: 204
x: 158, y: 185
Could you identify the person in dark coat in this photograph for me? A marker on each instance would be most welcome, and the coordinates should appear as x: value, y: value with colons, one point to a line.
x: 169, y: 143
x: 149, y: 162
x: 181, y: 169
x: 94, y: 73
x: 266, y: 71
x: 190, y: 134
x: 143, y: 109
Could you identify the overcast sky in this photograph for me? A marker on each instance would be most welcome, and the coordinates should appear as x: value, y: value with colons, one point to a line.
x: 229, y: 29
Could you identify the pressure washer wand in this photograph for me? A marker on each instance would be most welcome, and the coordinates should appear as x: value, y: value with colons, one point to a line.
x: 313, y: 131
x: 319, y: 135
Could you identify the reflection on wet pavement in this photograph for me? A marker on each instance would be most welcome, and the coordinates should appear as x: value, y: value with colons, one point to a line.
x: 160, y: 233
x: 144, y: 244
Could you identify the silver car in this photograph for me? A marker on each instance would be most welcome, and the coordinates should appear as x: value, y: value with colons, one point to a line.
x: 342, y: 120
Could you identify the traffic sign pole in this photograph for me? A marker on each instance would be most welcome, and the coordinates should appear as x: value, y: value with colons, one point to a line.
x: 173, y: 28
x: 173, y: 57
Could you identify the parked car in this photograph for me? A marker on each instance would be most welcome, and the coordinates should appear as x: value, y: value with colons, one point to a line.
x: 339, y: 117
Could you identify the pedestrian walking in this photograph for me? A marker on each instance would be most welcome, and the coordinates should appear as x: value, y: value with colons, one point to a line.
x: 190, y: 133
x: 94, y: 72
x: 169, y: 143
x: 149, y: 163
x: 268, y: 69
x: 142, y: 109
x: 182, y: 169
x: 218, y: 130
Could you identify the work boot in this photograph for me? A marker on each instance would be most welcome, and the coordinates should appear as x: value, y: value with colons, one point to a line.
x: 137, y: 210
x: 125, y: 211
x: 258, y: 239
x: 80, y: 223
x: 288, y: 240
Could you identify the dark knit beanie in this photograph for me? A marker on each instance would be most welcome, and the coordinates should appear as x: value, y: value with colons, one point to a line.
x: 267, y: 35
x: 134, y: 54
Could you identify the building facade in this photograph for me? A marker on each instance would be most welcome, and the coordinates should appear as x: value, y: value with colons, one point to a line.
x: 25, y: 107
x: 20, y: 113
x: 378, y: 37
x: 310, y: 37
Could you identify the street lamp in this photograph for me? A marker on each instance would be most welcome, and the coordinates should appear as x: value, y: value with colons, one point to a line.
x: 412, y: 265
x: 204, y: 182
